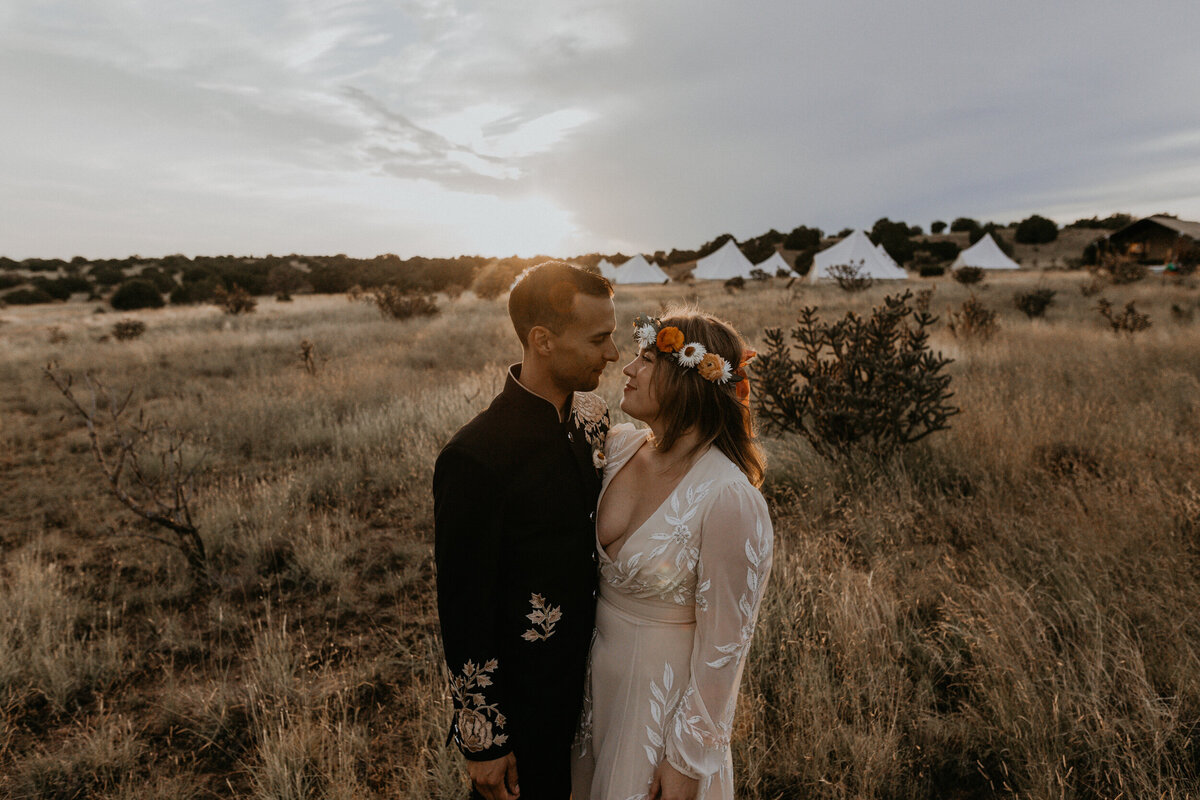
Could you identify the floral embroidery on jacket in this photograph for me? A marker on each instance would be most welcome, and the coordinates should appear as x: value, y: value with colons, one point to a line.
x: 589, y: 412
x: 477, y: 723
x: 543, y: 616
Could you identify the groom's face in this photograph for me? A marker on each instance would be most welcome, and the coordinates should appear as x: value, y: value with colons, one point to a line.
x: 584, y: 347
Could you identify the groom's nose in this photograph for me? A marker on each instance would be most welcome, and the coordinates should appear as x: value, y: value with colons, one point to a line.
x: 610, y: 350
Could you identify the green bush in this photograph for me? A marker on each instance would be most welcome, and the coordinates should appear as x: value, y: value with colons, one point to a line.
x: 931, y: 270
x: 106, y: 275
x: 1112, y: 222
x: 494, y: 280
x: 804, y: 260
x: 802, y: 238
x: 870, y: 385
x: 134, y: 294
x: 27, y: 297
x: 940, y: 251
x: 964, y: 224
x: 62, y: 288
x: 968, y: 276
x: 192, y: 292
x: 937, y: 227
x: 162, y: 281
x: 1036, y: 230
x: 9, y: 281
x: 894, y: 236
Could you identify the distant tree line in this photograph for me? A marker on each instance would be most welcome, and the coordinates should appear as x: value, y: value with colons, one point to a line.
x: 137, y: 282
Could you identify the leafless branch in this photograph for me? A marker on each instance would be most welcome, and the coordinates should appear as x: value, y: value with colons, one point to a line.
x: 165, y: 498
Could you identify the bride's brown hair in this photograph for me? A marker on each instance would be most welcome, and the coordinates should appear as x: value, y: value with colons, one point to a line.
x: 687, y: 400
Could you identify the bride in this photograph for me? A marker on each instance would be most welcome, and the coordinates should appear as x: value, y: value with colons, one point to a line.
x: 684, y: 544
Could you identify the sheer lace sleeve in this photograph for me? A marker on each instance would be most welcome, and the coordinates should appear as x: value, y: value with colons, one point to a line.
x: 735, y: 558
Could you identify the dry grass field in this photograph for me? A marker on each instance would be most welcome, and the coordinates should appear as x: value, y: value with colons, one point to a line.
x: 1008, y: 610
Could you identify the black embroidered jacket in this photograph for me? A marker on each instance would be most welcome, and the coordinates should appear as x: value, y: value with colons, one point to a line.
x: 514, y: 508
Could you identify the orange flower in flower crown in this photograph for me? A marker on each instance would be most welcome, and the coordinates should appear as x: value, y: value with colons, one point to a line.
x: 670, y: 339
x: 712, y: 367
x: 742, y: 390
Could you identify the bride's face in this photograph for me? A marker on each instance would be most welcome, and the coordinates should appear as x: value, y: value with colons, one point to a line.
x: 640, y: 401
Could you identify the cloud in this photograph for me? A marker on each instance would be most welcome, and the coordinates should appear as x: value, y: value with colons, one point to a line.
x: 582, y: 125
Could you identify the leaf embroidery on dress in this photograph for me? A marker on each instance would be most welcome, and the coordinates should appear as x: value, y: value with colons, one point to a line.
x: 543, y: 616
x: 680, y: 536
x: 662, y: 701
x: 476, y: 722
x: 756, y: 554
x: 583, y: 733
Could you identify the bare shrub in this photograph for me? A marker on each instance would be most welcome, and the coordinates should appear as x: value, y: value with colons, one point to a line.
x: 57, y: 335
x: 735, y: 283
x: 757, y: 274
x: 850, y: 277
x: 150, y: 473
x: 1129, y: 320
x: 1092, y: 287
x: 972, y: 321
x: 396, y: 303
x: 1067, y: 460
x: 234, y: 301
x: 127, y: 329
x: 1035, y: 302
x: 1122, y: 269
x: 968, y: 276
x: 308, y: 356
x: 859, y: 384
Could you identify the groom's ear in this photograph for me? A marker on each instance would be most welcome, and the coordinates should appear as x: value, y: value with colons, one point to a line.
x: 539, y: 340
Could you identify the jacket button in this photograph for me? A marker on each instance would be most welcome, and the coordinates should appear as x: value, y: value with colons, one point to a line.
x: 570, y: 436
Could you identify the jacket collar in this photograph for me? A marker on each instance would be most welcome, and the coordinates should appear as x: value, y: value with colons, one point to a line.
x: 531, y: 402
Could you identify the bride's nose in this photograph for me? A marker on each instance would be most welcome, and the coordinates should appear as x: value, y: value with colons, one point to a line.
x: 627, y: 370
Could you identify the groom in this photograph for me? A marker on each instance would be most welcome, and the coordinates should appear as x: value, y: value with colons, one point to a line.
x: 514, y: 516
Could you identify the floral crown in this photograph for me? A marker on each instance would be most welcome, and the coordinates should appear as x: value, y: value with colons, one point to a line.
x: 649, y: 332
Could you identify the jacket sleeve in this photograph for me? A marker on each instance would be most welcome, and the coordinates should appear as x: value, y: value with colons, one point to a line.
x: 467, y: 534
x: 735, y: 559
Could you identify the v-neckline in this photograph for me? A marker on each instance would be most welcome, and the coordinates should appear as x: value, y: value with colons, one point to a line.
x: 629, y: 534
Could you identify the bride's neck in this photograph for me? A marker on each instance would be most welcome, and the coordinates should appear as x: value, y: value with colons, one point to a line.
x: 683, y: 450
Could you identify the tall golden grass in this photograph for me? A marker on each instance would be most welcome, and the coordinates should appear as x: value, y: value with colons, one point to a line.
x: 1007, y: 610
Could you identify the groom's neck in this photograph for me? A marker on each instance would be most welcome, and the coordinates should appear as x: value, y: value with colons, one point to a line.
x: 535, y: 377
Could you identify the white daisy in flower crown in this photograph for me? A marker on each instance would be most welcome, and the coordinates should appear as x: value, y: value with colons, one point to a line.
x: 690, y: 354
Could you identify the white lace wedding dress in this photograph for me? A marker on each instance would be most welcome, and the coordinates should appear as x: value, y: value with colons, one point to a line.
x: 675, y: 616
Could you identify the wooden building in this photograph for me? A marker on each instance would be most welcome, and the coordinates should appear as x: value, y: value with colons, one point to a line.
x: 1154, y: 240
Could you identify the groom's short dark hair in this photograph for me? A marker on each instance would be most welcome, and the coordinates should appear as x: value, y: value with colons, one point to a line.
x: 545, y: 294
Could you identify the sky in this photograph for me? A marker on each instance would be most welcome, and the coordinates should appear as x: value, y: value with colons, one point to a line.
x: 524, y: 127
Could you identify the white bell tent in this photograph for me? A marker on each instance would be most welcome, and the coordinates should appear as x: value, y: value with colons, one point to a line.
x: 985, y: 254
x: 727, y: 262
x: 639, y: 270
x: 607, y: 270
x: 856, y: 250
x: 773, y: 264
